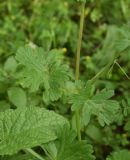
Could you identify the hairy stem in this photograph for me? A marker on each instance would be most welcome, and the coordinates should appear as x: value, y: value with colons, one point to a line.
x: 78, y: 63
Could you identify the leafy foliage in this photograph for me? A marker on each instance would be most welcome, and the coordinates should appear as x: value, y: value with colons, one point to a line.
x: 127, y: 126
x: 41, y: 73
x: 27, y: 127
x: 120, y: 155
x: 17, y: 96
x: 43, y: 68
x: 68, y: 148
x: 99, y: 104
x: 124, y: 43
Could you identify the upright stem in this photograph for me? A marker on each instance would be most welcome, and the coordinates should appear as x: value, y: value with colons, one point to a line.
x: 80, y: 40
x: 78, y: 63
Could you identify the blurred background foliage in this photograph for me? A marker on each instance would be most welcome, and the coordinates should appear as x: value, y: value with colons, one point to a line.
x: 55, y: 24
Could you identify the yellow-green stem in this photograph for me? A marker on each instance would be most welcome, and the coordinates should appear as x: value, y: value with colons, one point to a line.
x: 78, y: 63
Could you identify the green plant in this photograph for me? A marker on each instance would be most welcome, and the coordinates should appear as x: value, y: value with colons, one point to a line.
x: 47, y: 112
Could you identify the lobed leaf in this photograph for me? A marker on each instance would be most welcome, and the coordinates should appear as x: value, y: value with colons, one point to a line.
x: 42, y: 68
x: 100, y: 105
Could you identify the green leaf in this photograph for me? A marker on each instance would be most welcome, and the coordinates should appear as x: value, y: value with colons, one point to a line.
x: 127, y: 126
x: 108, y: 52
x: 26, y: 128
x: 57, y: 80
x: 123, y: 42
x: 4, y: 106
x: 10, y: 64
x: 104, y: 108
x: 42, y: 68
x: 83, y: 92
x: 68, y: 148
x: 17, y: 96
x: 94, y: 133
x: 18, y: 157
x: 120, y: 155
x: 99, y: 105
x: 95, y: 15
